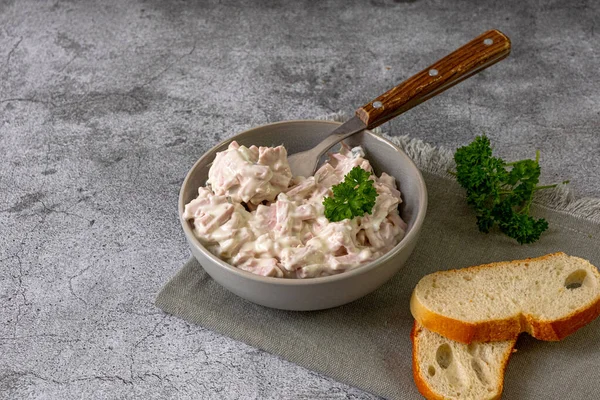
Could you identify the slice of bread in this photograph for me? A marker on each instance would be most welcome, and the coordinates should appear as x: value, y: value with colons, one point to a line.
x: 549, y: 297
x: 445, y: 369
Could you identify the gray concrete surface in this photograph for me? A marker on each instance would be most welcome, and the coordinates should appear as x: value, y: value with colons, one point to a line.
x: 105, y: 105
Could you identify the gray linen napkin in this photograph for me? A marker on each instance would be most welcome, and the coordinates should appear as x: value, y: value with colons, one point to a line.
x: 367, y: 343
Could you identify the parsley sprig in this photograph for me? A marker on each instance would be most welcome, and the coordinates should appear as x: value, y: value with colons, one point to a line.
x: 353, y: 197
x: 501, y: 193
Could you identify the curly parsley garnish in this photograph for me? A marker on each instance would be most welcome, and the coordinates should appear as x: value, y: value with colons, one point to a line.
x: 353, y: 197
x: 501, y: 193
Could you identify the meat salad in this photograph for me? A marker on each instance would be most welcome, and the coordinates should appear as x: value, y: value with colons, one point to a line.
x: 256, y: 216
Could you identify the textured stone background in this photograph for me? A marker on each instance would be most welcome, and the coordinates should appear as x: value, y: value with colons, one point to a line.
x: 104, y: 106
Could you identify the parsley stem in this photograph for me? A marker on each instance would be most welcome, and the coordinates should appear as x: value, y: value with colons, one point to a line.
x: 534, y: 189
x: 528, y: 205
x: 545, y: 187
x: 525, y: 209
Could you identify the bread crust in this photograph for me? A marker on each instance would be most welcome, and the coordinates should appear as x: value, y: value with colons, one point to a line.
x: 505, y: 329
x: 421, y: 383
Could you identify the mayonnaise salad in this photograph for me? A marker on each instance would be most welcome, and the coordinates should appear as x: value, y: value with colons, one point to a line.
x: 254, y: 215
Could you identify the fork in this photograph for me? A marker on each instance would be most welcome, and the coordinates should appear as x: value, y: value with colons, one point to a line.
x: 481, y: 52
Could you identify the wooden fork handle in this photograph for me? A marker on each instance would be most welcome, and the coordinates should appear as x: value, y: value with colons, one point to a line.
x: 483, y: 51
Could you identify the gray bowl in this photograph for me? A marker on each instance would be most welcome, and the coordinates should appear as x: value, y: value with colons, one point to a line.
x: 324, y: 292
